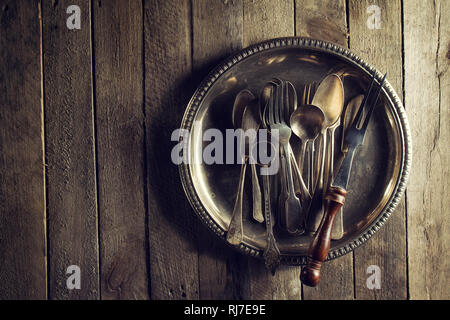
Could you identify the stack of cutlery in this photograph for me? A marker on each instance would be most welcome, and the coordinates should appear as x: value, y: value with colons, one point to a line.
x: 312, y: 184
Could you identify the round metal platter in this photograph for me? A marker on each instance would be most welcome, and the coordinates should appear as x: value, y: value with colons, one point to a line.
x: 380, y: 166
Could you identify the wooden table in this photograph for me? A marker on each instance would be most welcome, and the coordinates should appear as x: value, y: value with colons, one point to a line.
x: 86, y: 118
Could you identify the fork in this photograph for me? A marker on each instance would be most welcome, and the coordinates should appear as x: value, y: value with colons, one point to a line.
x: 335, y: 196
x: 291, y: 212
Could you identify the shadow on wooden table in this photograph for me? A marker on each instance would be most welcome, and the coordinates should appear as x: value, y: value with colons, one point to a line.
x: 172, y: 223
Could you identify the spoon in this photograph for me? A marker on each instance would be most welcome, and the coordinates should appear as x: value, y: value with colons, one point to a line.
x: 243, y: 98
x: 306, y: 123
x: 246, y: 112
x: 329, y: 97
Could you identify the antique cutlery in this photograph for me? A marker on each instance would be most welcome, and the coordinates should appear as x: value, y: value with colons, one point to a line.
x: 290, y: 212
x: 306, y: 123
x: 250, y: 119
x: 246, y: 99
x: 308, y: 93
x: 335, y: 196
x: 300, y: 186
x: 349, y: 115
x: 329, y: 97
x: 271, y: 253
x: 349, y: 118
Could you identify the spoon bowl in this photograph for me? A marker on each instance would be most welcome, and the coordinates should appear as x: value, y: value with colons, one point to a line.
x: 329, y: 97
x: 307, y: 122
x: 243, y: 98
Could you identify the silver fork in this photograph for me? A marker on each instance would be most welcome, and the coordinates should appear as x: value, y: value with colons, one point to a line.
x: 291, y: 211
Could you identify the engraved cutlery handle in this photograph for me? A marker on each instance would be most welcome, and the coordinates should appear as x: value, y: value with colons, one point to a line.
x: 319, y: 247
x: 291, y: 213
x: 283, y: 190
x: 257, y: 199
x: 235, y: 229
x: 295, y: 221
x: 302, y: 189
x: 271, y: 252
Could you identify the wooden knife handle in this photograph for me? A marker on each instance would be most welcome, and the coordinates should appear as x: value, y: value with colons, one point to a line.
x: 320, y: 245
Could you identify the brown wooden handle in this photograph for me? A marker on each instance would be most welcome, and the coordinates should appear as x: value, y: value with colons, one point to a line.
x: 320, y: 245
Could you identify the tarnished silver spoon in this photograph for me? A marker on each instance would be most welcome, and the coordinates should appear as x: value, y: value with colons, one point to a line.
x: 306, y: 123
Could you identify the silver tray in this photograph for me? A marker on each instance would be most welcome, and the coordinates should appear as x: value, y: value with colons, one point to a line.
x: 381, y: 165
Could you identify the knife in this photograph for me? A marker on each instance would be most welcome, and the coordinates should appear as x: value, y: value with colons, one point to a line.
x: 335, y: 195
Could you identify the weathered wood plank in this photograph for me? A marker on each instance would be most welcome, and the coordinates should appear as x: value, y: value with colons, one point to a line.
x: 172, y: 224
x: 427, y: 100
x: 22, y: 174
x: 323, y: 19
x: 326, y: 20
x: 217, y: 32
x: 264, y: 20
x: 284, y: 285
x: 387, y: 249
x: 118, y: 48
x: 69, y: 132
x: 336, y: 283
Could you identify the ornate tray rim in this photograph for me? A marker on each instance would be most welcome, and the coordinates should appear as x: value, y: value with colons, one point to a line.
x: 308, y: 43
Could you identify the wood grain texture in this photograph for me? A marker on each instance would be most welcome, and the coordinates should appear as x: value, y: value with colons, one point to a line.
x: 284, y: 285
x: 118, y: 49
x: 427, y: 99
x: 336, y: 283
x: 387, y: 248
x: 266, y: 19
x: 263, y: 20
x: 326, y: 20
x: 217, y: 33
x: 322, y: 19
x: 71, y: 182
x: 22, y: 174
x: 172, y: 223
x: 148, y: 57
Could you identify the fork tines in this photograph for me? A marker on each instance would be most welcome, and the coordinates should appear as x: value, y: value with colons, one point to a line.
x: 371, y: 106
